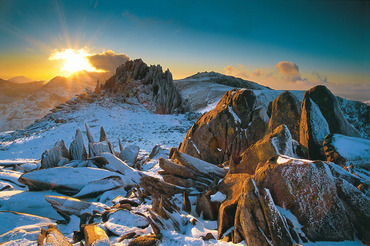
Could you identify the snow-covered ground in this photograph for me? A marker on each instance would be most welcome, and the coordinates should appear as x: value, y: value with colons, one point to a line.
x: 132, y: 124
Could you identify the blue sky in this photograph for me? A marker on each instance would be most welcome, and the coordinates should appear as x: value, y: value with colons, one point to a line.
x: 327, y: 40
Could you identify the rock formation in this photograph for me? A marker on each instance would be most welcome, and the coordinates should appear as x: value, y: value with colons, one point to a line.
x: 153, y: 88
x: 226, y: 131
x: 290, y: 105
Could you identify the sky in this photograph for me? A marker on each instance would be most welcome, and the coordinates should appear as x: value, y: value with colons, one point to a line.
x: 280, y: 44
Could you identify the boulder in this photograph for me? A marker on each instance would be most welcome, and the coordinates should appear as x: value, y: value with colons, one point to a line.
x: 278, y: 142
x: 307, y: 189
x: 50, y: 158
x: 129, y: 154
x: 226, y: 131
x: 94, y: 235
x: 329, y: 107
x: 346, y: 151
x: 52, y: 236
x: 313, y: 129
x: 288, y: 103
x: 159, y: 188
x: 77, y: 150
x: 147, y: 240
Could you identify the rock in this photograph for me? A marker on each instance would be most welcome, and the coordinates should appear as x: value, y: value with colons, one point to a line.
x: 52, y: 236
x: 288, y: 103
x: 11, y: 177
x: 205, y: 208
x: 130, y: 175
x: 103, y: 135
x: 50, y: 158
x: 279, y: 142
x: 231, y: 186
x: 345, y: 151
x: 158, y: 188
x: 67, y: 206
x: 222, y: 133
x: 129, y: 154
x: 313, y: 129
x: 77, y: 150
x: 151, y: 86
x: 97, y: 187
x: 147, y: 240
x: 88, y: 134
x: 66, y: 180
x: 128, y: 219
x: 15, y: 219
x: 357, y: 206
x: 329, y: 107
x: 6, y: 186
x: 307, y: 189
x: 94, y: 235
x: 208, y: 236
x: 186, y: 205
x: 96, y: 149
x: 36, y: 204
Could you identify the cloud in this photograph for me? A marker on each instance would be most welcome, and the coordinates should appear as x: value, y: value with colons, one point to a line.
x: 108, y: 60
x: 321, y: 78
x: 289, y: 69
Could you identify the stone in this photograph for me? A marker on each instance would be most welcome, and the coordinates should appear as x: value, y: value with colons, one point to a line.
x: 94, y: 235
x: 222, y: 133
x: 186, y: 205
x: 313, y: 129
x: 159, y: 188
x: 77, y: 150
x: 329, y: 107
x: 307, y: 189
x: 147, y: 240
x: 288, y: 103
x: 278, y: 142
x: 129, y: 154
x: 50, y: 158
x: 52, y: 236
x: 88, y: 134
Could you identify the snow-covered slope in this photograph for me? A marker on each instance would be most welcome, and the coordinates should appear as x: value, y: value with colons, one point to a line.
x: 22, y: 104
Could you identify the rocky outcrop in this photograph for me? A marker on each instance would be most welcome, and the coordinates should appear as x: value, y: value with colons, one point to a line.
x: 290, y: 105
x: 52, y: 236
x: 279, y: 142
x: 329, y: 107
x: 149, y: 84
x: 77, y: 150
x: 313, y: 129
x: 226, y: 131
x: 94, y: 235
x: 53, y: 156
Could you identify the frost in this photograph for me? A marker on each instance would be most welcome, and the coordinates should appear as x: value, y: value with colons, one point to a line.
x: 236, y: 118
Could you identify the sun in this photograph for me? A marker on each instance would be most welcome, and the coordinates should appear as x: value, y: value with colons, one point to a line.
x: 73, y: 60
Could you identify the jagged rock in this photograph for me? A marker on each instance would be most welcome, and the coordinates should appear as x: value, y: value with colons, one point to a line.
x: 67, y: 206
x: 186, y: 205
x: 11, y: 177
x: 5, y: 186
x: 288, y: 103
x: 94, y: 235
x: 206, y: 208
x: 88, y: 134
x: 313, y: 129
x: 66, y: 180
x: 129, y: 154
x: 52, y: 236
x: 308, y: 191
x: 96, y: 149
x: 150, y: 85
x: 77, y: 150
x: 103, y: 135
x: 222, y: 133
x: 279, y: 142
x: 147, y: 240
x: 346, y: 151
x: 357, y: 207
x: 231, y: 186
x: 158, y: 188
x: 97, y: 187
x: 329, y: 107
x: 50, y: 158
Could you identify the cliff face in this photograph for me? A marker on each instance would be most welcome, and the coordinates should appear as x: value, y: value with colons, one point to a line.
x: 149, y: 84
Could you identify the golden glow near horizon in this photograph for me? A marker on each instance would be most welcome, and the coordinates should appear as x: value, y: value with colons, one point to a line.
x: 74, y: 60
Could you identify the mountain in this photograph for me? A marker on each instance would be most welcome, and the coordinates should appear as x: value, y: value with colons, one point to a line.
x: 23, y: 103
x: 21, y: 79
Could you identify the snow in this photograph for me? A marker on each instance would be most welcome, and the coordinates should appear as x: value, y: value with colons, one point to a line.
x: 218, y: 197
x: 236, y: 118
x: 351, y: 148
x: 319, y: 126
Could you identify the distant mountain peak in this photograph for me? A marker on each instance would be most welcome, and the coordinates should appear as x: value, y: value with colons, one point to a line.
x: 21, y: 79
